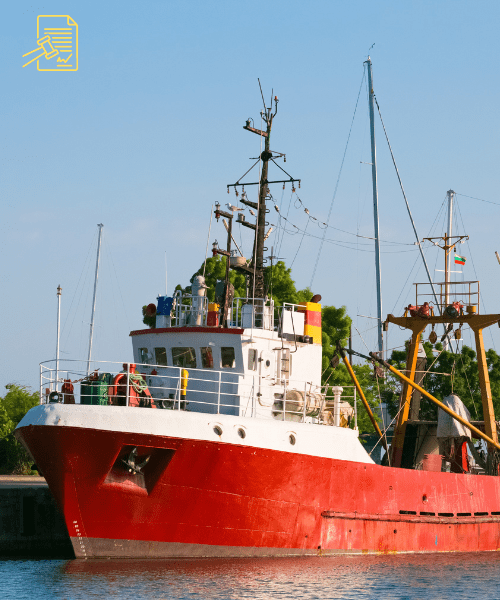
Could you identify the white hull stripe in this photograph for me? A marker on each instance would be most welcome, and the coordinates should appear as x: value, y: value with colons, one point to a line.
x: 310, y: 439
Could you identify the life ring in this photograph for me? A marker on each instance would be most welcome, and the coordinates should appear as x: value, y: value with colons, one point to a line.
x: 113, y: 388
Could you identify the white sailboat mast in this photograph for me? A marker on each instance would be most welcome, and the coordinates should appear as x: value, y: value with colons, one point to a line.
x: 100, y: 225
x: 375, y: 210
x: 59, y: 292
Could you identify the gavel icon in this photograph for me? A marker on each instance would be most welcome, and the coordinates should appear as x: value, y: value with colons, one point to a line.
x: 48, y: 50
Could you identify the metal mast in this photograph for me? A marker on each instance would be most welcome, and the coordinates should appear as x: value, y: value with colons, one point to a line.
x: 59, y: 291
x: 375, y: 210
x: 450, y: 194
x: 100, y: 225
x: 261, y: 214
x: 255, y: 271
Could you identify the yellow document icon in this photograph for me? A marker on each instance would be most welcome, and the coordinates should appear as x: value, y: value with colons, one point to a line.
x: 63, y: 33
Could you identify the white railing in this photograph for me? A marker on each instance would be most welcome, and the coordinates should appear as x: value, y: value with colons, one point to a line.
x: 245, y: 313
x: 464, y: 292
x: 195, y: 390
x: 252, y: 313
x: 190, y: 310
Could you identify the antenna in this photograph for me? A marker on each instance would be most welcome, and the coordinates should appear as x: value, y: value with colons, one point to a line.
x: 59, y: 292
x: 263, y: 101
x: 208, y: 239
x: 232, y: 237
x: 166, y: 291
x: 256, y: 270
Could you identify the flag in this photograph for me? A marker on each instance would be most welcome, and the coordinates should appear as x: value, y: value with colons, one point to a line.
x: 460, y: 260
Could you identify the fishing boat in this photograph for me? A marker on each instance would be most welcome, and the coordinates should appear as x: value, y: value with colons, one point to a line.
x: 219, y: 438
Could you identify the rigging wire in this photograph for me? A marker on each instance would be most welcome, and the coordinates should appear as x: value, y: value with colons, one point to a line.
x: 407, y: 205
x: 475, y: 272
x: 106, y: 257
x: 302, y: 239
x: 208, y: 240
x: 404, y: 285
x: 85, y: 274
x: 326, y: 226
x: 480, y: 199
x: 384, y: 433
x: 110, y: 256
x: 443, y: 203
x: 338, y: 178
x: 362, y: 337
x: 341, y: 243
x: 278, y: 228
x: 286, y: 219
x: 468, y: 384
x: 312, y: 218
x: 77, y: 285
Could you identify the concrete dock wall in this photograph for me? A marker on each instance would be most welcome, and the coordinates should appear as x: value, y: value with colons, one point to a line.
x: 30, y: 522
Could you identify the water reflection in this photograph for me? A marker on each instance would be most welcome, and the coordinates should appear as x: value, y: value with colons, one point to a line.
x: 360, y: 577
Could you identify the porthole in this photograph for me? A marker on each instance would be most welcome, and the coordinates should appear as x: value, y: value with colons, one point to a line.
x: 242, y: 433
x: 268, y: 363
x: 218, y: 430
x: 291, y: 439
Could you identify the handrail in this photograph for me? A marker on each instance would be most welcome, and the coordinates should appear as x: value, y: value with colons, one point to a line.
x: 215, y: 391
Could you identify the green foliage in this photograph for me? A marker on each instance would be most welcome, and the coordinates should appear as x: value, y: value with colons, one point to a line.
x: 364, y: 374
x: 13, y: 406
x: 280, y: 285
x: 336, y: 326
x: 216, y: 270
x: 277, y: 278
x: 148, y: 320
x: 449, y: 373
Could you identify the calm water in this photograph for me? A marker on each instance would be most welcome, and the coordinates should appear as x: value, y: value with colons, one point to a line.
x: 427, y: 577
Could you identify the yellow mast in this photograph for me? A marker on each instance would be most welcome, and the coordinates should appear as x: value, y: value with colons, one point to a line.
x: 492, y: 441
x: 477, y: 323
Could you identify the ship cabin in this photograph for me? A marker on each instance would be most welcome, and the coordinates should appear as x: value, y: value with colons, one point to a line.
x: 263, y: 362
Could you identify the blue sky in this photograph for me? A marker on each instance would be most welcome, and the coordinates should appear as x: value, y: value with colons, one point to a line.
x: 146, y: 135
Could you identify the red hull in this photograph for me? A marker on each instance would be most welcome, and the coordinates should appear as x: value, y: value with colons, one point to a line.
x: 200, y: 498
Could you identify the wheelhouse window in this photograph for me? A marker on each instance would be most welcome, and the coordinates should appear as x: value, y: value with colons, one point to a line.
x: 184, y: 357
x: 207, y: 357
x: 161, y: 357
x: 143, y: 356
x: 252, y: 359
x: 227, y: 356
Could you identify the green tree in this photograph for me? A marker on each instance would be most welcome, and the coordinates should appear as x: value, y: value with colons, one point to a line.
x: 449, y: 372
x: 215, y: 270
x: 148, y: 320
x: 369, y: 385
x: 336, y: 327
x: 13, y: 406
